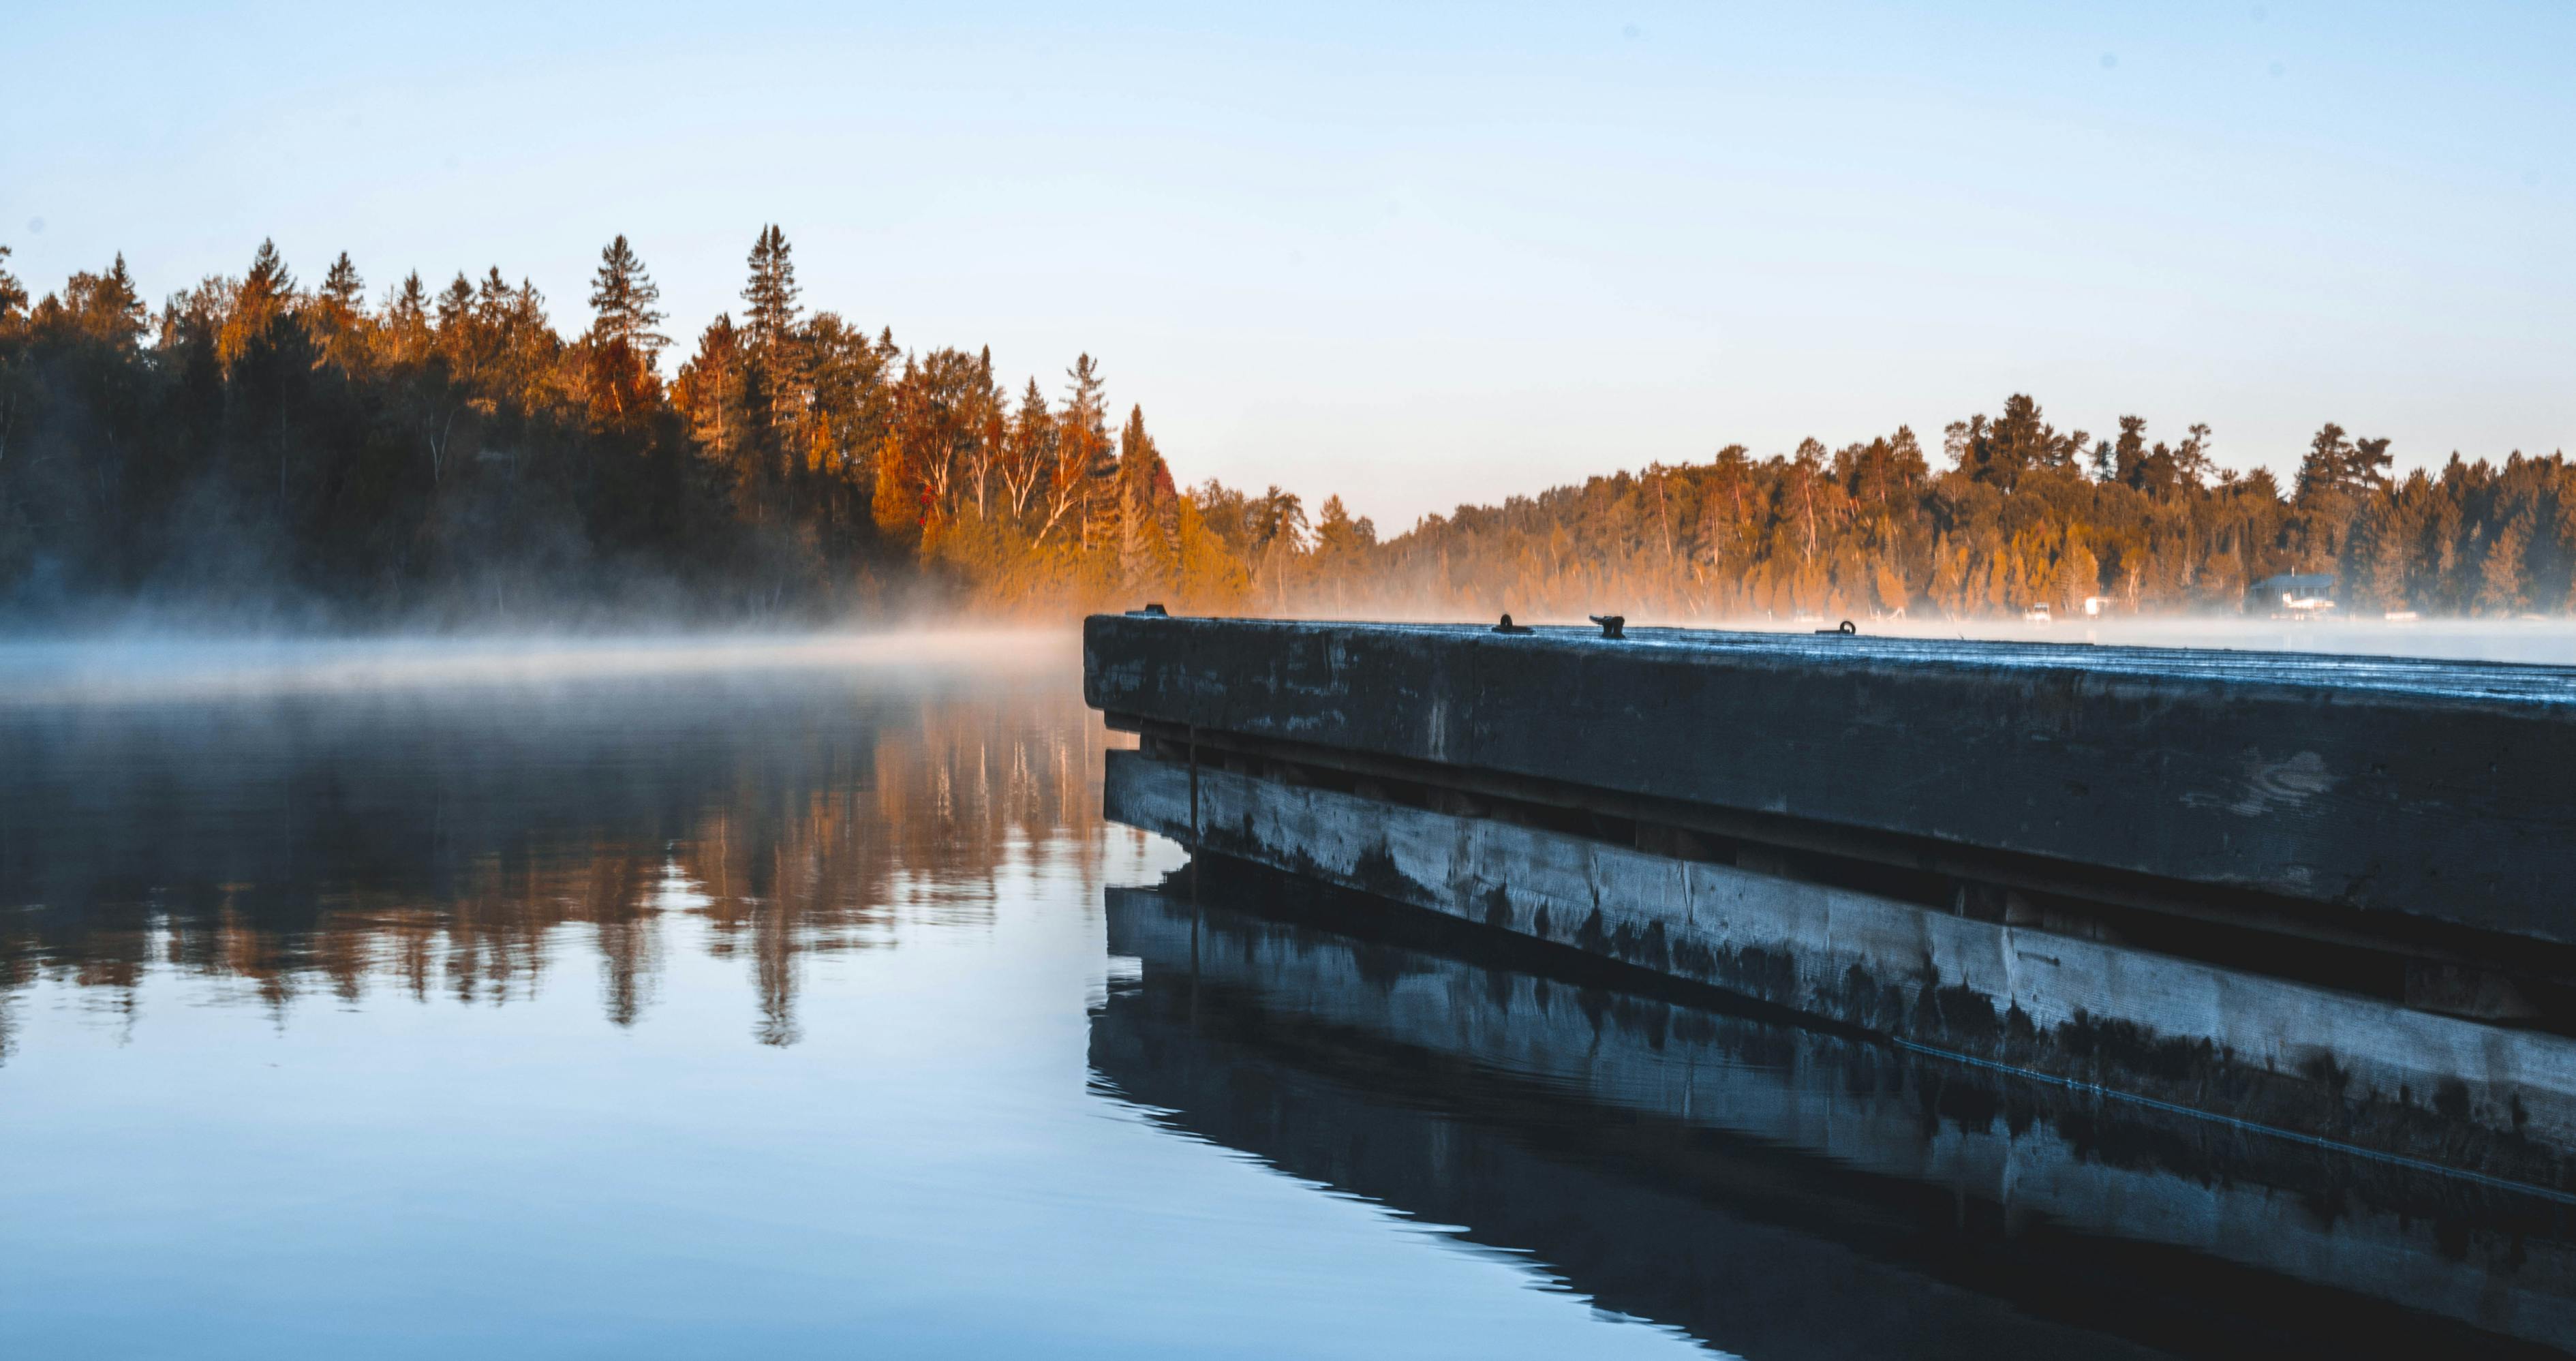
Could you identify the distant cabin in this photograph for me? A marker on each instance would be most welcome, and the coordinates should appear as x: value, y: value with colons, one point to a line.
x: 2294, y: 595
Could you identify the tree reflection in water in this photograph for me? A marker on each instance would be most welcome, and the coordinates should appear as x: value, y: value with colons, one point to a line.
x: 459, y: 840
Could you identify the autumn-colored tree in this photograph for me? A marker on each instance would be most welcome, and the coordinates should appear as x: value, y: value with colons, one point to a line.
x: 710, y: 395
x: 2503, y: 572
x: 1148, y: 508
x: 106, y: 307
x: 1029, y: 452
x: 259, y: 303
x: 2006, y: 449
x: 771, y: 312
x: 1083, y: 456
x: 624, y: 338
x: 846, y: 424
x: 13, y: 294
x: 445, y: 456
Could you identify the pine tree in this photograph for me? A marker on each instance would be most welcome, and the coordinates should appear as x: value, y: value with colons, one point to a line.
x: 1084, y: 459
x: 406, y: 326
x: 529, y: 344
x: 107, y: 307
x: 1031, y: 450
x: 623, y: 301
x: 770, y: 330
x: 2439, y: 567
x: 709, y: 395
x: 1147, y: 535
x: 2191, y: 459
x: 2129, y: 451
x: 623, y: 342
x: 2501, y: 576
x: 1342, y: 543
x: 342, y: 288
x: 493, y: 299
x: 846, y: 425
x: 455, y: 306
x: 337, y: 313
x: 263, y: 298
x: 268, y: 278
x: 771, y: 293
x: 2376, y: 552
x: 2004, y: 449
x: 2327, y: 497
x: 13, y: 294
x: 2327, y: 467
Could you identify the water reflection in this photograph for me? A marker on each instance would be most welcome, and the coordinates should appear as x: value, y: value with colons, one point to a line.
x: 388, y: 1009
x: 299, y: 1054
x: 1778, y: 1192
x: 460, y: 841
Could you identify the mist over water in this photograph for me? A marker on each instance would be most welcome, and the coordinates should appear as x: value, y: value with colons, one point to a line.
x: 2544, y: 641
x: 787, y: 995
x: 159, y: 666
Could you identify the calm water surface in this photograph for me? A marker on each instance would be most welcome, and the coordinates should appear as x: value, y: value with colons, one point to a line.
x: 395, y: 1002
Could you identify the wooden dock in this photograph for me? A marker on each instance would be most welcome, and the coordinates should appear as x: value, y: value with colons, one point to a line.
x: 2319, y: 893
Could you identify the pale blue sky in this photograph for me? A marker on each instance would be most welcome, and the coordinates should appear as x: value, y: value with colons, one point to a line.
x: 1425, y: 254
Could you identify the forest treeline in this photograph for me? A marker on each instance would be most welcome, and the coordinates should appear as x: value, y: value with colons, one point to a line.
x: 273, y: 447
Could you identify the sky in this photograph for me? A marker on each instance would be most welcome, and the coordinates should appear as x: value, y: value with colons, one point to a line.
x: 1420, y: 255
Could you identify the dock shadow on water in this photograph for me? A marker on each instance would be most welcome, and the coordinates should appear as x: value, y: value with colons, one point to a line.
x: 797, y: 1001
x: 1773, y: 1190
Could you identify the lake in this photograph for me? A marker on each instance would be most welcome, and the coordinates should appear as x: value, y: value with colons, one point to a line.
x: 790, y: 997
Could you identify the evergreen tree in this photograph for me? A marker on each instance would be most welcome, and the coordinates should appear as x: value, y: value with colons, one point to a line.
x: 258, y: 305
x: 2005, y: 449
x: 2192, y: 460
x: 1085, y: 459
x: 13, y: 294
x: 2129, y: 451
x: 406, y: 320
x: 2376, y: 553
x: 2327, y: 467
x: 342, y: 288
x: 458, y: 441
x: 2502, y: 573
x: 1342, y: 543
x: 846, y: 427
x: 623, y: 341
x: 771, y: 295
x: 624, y: 304
x: 493, y: 299
x: 1031, y: 451
x: 770, y: 331
x: 338, y: 312
x: 1147, y: 533
x: 268, y: 278
x: 107, y: 307
x: 709, y: 394
x: 455, y: 306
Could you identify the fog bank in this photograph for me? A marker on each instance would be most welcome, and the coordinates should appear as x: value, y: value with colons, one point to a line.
x: 143, y: 668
